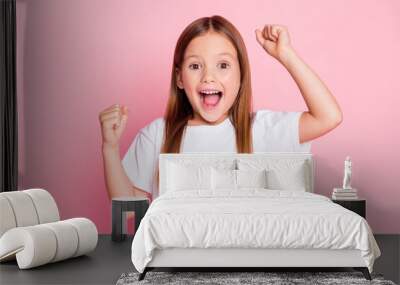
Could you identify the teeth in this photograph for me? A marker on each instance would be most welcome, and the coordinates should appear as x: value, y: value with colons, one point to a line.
x: 210, y: 92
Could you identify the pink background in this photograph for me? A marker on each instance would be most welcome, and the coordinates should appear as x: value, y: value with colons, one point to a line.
x: 75, y: 58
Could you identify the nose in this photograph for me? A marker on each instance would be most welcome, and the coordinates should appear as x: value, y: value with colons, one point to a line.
x: 208, y: 76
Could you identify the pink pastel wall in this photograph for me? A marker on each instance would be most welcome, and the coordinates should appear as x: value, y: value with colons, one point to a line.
x: 77, y: 57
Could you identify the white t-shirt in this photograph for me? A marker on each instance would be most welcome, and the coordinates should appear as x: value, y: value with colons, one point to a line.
x: 273, y: 131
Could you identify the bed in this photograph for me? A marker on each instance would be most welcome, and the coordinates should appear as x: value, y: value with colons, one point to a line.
x: 247, y: 210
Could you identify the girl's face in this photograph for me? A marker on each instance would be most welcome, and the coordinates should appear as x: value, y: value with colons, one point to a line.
x: 210, y: 76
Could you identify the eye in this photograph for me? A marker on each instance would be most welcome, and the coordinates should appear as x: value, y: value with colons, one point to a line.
x: 224, y: 65
x: 195, y: 66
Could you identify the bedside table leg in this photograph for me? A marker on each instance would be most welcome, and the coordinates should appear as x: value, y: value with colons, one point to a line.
x: 140, y: 211
x: 116, y: 234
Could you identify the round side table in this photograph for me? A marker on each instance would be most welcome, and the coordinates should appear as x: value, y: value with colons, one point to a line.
x: 120, y: 205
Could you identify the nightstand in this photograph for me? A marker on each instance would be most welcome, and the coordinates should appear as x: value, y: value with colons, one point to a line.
x: 358, y: 206
x: 121, y: 205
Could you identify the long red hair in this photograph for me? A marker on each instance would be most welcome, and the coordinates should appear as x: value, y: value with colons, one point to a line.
x: 179, y: 110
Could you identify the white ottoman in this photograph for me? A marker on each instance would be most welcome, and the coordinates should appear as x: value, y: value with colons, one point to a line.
x: 31, y: 233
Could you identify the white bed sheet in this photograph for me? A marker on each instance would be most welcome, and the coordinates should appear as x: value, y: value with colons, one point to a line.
x: 250, y: 218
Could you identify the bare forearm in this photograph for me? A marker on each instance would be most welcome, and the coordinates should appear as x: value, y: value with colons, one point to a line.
x: 117, y: 182
x: 319, y: 100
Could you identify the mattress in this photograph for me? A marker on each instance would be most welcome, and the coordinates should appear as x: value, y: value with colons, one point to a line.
x: 254, y: 218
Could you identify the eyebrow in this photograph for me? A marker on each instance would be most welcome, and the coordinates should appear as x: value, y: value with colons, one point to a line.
x: 222, y: 53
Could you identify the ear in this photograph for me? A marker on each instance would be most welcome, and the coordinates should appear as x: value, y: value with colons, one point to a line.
x: 179, y: 82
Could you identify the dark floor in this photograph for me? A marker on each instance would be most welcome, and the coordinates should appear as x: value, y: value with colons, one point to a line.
x: 111, y: 259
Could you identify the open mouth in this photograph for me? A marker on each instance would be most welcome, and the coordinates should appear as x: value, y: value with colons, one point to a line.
x: 210, y: 99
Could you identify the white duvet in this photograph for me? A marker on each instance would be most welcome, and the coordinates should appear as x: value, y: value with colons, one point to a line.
x: 250, y: 218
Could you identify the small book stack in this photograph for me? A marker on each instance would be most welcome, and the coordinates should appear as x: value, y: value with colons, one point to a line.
x: 344, y: 194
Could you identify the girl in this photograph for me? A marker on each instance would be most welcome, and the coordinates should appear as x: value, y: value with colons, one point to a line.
x: 210, y: 107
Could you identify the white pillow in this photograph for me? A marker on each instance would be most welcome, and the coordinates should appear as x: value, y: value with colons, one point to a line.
x: 282, y: 174
x: 223, y: 179
x: 236, y: 179
x: 251, y: 178
x: 187, y: 177
x: 286, y: 179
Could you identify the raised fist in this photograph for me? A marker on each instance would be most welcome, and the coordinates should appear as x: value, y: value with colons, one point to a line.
x: 113, y: 121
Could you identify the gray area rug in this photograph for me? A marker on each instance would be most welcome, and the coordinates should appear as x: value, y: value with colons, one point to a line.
x: 270, y: 278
